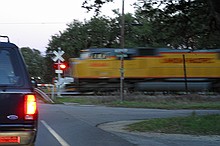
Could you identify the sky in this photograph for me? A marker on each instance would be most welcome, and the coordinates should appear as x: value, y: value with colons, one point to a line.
x: 31, y: 23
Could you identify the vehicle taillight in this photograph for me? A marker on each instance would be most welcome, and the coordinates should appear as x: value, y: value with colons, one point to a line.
x: 30, y: 107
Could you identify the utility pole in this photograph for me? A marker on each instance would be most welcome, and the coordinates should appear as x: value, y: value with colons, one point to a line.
x: 185, y: 73
x: 122, y: 43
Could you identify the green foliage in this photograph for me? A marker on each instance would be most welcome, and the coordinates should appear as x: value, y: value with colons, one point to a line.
x: 194, y: 124
x: 181, y: 24
x: 97, y: 32
x: 158, y: 102
x: 35, y: 63
x: 166, y: 105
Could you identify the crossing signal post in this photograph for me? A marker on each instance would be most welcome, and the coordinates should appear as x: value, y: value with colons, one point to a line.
x: 58, y: 59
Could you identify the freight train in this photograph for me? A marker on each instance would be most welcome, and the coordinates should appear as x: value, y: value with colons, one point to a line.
x: 145, y: 69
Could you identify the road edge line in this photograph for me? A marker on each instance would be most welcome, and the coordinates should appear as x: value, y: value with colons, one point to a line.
x: 57, y: 136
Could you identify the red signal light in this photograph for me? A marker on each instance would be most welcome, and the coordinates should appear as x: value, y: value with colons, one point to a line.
x: 62, y: 66
x: 30, y: 107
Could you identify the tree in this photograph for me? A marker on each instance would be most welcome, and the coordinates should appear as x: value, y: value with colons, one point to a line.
x: 213, y: 6
x: 96, y: 32
x: 180, y: 23
x: 96, y: 4
x: 35, y: 63
x: 215, y: 13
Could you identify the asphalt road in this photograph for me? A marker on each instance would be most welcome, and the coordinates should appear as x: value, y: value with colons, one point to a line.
x: 76, y: 125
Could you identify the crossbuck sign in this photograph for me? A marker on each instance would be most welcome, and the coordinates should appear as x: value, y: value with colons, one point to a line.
x: 58, y: 56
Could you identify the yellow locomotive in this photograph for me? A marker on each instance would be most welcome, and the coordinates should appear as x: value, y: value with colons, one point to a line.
x: 146, y: 69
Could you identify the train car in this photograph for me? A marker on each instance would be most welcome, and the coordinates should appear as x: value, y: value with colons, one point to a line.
x: 146, y: 69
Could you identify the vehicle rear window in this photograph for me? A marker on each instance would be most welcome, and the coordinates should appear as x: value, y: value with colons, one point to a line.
x: 10, y: 68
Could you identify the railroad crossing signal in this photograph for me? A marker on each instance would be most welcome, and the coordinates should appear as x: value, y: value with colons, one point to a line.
x: 58, y: 58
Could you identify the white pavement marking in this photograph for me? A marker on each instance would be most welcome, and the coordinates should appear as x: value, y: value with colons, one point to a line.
x: 59, y: 138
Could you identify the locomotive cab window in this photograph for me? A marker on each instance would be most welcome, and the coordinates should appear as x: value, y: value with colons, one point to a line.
x: 84, y: 55
x: 98, y: 56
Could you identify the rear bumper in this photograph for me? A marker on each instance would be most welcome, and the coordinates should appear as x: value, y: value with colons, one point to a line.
x: 25, y: 137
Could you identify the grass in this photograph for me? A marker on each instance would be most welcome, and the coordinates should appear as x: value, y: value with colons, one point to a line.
x: 168, y: 105
x: 145, y: 101
x: 194, y: 124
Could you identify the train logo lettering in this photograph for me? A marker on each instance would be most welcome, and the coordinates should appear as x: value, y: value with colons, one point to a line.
x: 188, y: 60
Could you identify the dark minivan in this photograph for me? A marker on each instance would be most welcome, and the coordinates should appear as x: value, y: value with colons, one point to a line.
x: 18, y: 106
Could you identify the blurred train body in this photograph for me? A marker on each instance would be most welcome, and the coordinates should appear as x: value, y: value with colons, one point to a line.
x: 145, y: 69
